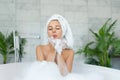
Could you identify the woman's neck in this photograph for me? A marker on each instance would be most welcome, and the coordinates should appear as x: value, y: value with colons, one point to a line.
x: 51, y: 47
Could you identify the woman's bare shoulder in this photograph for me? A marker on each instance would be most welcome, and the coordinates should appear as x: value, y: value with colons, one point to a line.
x: 68, y: 51
x: 41, y: 46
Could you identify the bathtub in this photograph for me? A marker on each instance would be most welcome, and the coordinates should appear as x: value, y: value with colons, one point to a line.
x: 11, y: 70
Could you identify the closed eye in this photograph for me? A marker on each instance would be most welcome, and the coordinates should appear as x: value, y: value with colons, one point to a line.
x: 50, y: 28
x: 58, y: 27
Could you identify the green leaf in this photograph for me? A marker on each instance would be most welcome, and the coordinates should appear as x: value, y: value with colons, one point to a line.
x: 7, y: 45
x: 105, y: 44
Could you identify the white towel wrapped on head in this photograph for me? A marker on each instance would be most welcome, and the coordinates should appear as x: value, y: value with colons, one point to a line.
x: 66, y: 31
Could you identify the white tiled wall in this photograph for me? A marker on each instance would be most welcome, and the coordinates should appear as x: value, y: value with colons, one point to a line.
x: 29, y: 17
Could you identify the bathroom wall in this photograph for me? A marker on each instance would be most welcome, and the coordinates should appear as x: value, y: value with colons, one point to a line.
x: 29, y: 17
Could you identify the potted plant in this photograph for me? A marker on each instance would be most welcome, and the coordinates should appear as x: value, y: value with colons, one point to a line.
x: 99, y: 52
x: 7, y: 46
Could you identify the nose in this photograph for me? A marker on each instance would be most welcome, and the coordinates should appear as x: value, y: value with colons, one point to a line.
x: 54, y: 31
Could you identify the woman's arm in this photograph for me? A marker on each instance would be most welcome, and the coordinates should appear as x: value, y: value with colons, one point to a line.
x: 62, y: 65
x: 39, y: 54
x: 69, y: 60
x: 65, y: 66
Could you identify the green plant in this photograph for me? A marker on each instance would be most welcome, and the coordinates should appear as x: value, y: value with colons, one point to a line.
x: 22, y: 42
x: 7, y: 46
x: 106, y: 44
x: 21, y: 51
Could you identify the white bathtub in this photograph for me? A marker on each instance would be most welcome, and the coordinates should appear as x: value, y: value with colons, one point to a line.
x: 11, y: 70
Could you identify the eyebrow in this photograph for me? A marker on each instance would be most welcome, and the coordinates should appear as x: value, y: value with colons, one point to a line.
x: 58, y: 25
x: 55, y: 25
x: 49, y: 26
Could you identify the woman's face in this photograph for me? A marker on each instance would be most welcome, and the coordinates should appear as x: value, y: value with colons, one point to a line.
x: 54, y: 29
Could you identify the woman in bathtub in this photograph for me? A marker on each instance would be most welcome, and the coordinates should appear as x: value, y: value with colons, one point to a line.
x: 60, y: 44
x: 54, y: 60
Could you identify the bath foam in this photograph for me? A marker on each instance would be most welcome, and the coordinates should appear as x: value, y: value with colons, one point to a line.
x: 50, y: 71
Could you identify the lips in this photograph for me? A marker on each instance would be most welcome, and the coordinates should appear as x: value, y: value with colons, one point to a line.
x: 54, y: 36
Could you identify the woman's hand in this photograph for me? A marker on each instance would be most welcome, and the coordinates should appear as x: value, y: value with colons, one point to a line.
x: 58, y: 46
x: 57, y: 43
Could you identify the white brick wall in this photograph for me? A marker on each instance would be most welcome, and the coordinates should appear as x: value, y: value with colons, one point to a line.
x: 29, y: 17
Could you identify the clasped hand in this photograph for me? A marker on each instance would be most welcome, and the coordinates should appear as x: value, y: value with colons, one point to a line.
x: 57, y: 43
